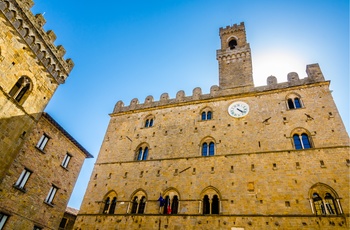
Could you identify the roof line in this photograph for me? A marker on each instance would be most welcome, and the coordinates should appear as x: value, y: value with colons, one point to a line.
x: 75, y: 142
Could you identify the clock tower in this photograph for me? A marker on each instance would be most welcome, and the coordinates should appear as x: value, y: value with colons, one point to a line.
x: 234, y: 57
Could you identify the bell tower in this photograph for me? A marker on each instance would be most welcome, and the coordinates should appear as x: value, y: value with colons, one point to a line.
x: 234, y: 57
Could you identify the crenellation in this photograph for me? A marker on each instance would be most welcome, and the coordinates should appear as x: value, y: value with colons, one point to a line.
x: 30, y: 27
x: 271, y: 84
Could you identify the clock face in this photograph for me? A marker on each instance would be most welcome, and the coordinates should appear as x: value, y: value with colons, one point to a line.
x: 238, y: 109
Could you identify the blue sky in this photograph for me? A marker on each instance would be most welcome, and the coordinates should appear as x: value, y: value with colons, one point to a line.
x: 124, y: 49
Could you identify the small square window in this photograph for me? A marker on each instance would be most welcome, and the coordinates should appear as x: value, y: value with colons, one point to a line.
x: 287, y: 204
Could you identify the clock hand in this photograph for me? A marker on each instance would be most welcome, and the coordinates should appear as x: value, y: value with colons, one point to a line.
x: 239, y: 110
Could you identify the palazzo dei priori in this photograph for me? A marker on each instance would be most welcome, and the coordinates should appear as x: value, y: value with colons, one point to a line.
x: 240, y: 157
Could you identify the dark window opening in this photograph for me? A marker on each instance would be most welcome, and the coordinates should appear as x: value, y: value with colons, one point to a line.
x: 232, y: 44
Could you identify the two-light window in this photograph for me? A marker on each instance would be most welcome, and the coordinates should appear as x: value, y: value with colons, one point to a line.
x: 301, y: 141
x: 21, y: 89
x: 142, y: 154
x: 23, y: 178
x: 208, y: 149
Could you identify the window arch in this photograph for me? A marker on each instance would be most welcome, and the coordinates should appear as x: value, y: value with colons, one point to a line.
x: 293, y: 101
x: 324, y: 200
x: 171, y: 202
x: 208, y: 147
x: 301, y: 139
x: 206, y: 114
x: 138, y: 202
x: 109, y: 203
x: 210, y: 201
x: 142, y: 152
x: 149, y: 121
x: 21, y: 89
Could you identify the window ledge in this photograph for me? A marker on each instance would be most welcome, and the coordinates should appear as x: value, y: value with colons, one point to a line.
x: 49, y: 204
x: 42, y: 151
x: 20, y: 189
x: 64, y: 168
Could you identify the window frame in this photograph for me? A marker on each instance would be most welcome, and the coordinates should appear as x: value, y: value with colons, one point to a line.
x: 44, y: 139
x: 23, y: 179
x: 20, y: 90
x: 66, y: 160
x: 301, y: 141
x: 51, y: 195
x: 142, y: 153
x: 208, y: 148
x: 293, y: 101
x: 3, y: 219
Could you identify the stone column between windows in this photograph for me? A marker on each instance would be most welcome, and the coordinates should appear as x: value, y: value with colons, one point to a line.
x: 325, y: 207
x: 340, y: 209
x: 199, y: 207
x: 127, y: 210
x: 312, y: 205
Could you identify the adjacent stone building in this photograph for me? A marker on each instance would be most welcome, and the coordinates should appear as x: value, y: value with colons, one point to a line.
x: 37, y: 187
x: 40, y: 161
x: 31, y: 69
x: 240, y: 157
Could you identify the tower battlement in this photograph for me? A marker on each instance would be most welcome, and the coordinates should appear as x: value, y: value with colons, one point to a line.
x: 314, y: 74
x: 231, y: 29
x: 41, y: 42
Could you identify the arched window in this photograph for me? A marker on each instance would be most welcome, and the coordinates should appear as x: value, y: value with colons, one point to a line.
x: 232, y: 44
x: 142, y: 154
x: 293, y: 101
x: 208, y: 149
x: 171, y: 202
x: 21, y: 89
x: 149, y: 121
x: 113, y: 205
x: 301, y: 141
x: 210, y: 201
x: 138, y: 202
x: 206, y: 114
x: 107, y: 203
x: 324, y: 200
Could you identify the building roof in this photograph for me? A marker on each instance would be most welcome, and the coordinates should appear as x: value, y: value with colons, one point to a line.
x: 72, y: 211
x: 75, y: 142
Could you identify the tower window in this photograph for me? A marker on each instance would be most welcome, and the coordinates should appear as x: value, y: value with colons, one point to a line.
x: 206, y: 114
x: 21, y: 89
x: 149, y: 121
x: 66, y: 160
x: 294, y: 102
x: 232, y: 44
x: 301, y: 141
x: 142, y: 154
x: 208, y: 149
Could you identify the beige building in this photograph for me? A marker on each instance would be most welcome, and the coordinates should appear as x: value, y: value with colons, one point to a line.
x: 37, y: 187
x: 240, y: 157
x: 31, y: 69
x: 40, y: 161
